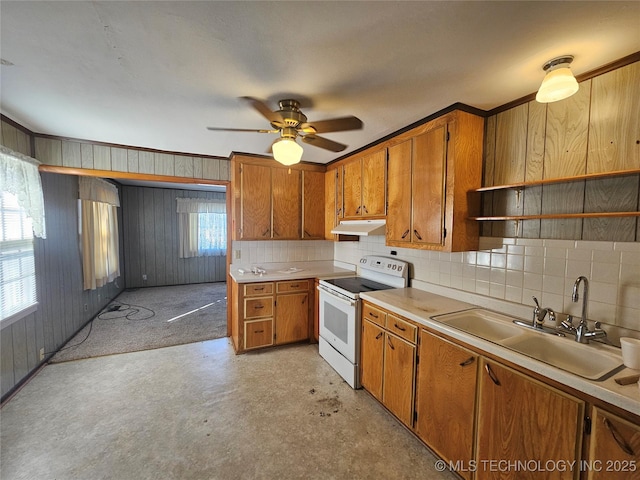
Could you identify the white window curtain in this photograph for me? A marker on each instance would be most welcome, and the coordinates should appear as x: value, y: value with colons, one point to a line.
x: 202, y: 227
x: 99, y: 232
x: 21, y: 217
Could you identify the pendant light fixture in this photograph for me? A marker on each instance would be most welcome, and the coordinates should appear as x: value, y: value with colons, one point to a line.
x: 559, y: 82
x: 287, y: 151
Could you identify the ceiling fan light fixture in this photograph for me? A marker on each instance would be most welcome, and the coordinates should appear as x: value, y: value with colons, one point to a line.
x: 287, y: 151
x: 559, y: 82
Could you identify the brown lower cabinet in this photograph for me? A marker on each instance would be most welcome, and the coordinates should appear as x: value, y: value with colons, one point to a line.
x: 270, y: 313
x: 487, y: 420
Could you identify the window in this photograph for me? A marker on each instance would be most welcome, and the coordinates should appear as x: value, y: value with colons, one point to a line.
x: 17, y: 266
x: 98, y: 222
x: 202, y: 225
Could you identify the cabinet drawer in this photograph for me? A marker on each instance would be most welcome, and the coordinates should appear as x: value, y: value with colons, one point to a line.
x: 253, y: 289
x: 402, y: 328
x: 258, y: 307
x: 292, y: 286
x: 374, y: 315
x: 258, y: 333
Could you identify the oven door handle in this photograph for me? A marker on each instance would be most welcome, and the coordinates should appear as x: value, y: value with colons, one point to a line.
x: 337, y: 295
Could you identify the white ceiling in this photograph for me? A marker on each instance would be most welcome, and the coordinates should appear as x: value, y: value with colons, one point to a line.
x: 155, y: 74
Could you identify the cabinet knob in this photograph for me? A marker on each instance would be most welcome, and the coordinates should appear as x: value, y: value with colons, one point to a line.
x: 492, y: 375
x: 404, y: 235
x: 415, y: 232
x: 402, y: 329
x: 468, y: 361
x: 378, y: 336
x: 390, y: 344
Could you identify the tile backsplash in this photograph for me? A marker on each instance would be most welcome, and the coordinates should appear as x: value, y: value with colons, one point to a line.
x: 506, y: 269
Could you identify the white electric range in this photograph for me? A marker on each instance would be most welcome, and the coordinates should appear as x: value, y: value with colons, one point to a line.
x: 340, y: 324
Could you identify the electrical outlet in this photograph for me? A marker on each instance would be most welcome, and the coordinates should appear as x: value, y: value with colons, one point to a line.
x: 86, y: 307
x: 237, y: 254
x: 42, y: 354
x: 144, y: 277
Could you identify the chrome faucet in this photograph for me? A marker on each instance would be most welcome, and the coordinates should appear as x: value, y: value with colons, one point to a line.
x: 539, y: 313
x: 582, y: 332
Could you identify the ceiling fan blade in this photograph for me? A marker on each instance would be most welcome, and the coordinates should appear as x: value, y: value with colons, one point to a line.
x: 265, y: 111
x: 322, y: 142
x: 216, y: 129
x: 332, y: 125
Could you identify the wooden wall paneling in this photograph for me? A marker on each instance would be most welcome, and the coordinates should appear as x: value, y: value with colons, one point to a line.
x: 24, y: 143
x: 146, y: 162
x: 184, y: 166
x: 488, y: 164
x: 119, y: 160
x: 9, y: 136
x: 565, y: 153
x: 562, y: 198
x: 511, y: 145
x: 160, y: 240
x: 211, y: 168
x: 506, y: 202
x: 611, y: 195
x: 49, y: 151
x: 101, y: 157
x: 536, y: 132
x: 71, y: 154
x: 132, y: 161
x: 7, y: 377
x: 197, y: 167
x: 532, y: 205
x: 164, y: 164
x: 149, y: 238
x: 67, y: 261
x: 171, y: 234
x: 33, y: 354
x: 19, y: 339
x: 225, y: 169
x: 614, y: 126
x: 86, y: 155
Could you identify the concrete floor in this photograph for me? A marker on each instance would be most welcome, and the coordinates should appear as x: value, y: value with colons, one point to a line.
x: 199, y: 412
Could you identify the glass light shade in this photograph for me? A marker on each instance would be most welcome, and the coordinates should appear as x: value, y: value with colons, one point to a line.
x: 558, y: 84
x: 286, y: 151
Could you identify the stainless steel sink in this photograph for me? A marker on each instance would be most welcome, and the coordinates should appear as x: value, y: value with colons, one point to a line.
x: 593, y: 361
x: 588, y: 361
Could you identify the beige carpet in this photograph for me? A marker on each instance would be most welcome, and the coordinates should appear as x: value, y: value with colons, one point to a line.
x: 150, y: 318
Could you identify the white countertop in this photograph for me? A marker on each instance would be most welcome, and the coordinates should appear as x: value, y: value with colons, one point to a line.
x: 420, y: 306
x: 276, y: 272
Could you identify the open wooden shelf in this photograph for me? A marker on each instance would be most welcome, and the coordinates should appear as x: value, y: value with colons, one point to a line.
x: 578, y: 178
x: 556, y: 215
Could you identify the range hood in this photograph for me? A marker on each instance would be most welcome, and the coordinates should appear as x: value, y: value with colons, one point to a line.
x: 361, y: 228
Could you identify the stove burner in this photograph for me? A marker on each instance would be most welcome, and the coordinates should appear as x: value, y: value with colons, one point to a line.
x: 358, y: 284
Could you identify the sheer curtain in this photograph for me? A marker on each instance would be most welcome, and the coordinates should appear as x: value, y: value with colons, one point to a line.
x: 21, y: 217
x: 202, y: 227
x: 99, y: 232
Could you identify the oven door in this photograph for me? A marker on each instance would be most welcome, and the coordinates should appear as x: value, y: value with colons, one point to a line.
x: 339, y: 323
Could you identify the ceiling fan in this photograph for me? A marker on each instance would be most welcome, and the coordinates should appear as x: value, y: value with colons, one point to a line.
x: 291, y: 123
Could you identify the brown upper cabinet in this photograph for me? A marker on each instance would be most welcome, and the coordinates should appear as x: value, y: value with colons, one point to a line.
x: 364, y: 182
x: 430, y: 170
x: 277, y: 203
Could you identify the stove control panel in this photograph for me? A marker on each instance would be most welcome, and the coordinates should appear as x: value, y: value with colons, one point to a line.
x: 389, y: 266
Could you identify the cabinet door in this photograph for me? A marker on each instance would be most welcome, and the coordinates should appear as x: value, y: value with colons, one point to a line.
x: 312, y: 204
x: 520, y: 419
x: 399, y: 192
x: 371, y: 358
x: 287, y: 201
x: 292, y: 318
x: 331, y: 206
x: 615, y: 447
x: 428, y: 186
x: 255, y: 202
x: 446, y: 398
x: 374, y: 171
x: 398, y: 377
x: 352, y: 188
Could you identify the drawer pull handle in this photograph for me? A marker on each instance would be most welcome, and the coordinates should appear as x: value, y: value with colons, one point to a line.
x: 468, y: 361
x: 258, y: 331
x: 622, y: 443
x: 415, y: 232
x: 295, y: 286
x: 404, y: 235
x: 402, y: 329
x: 390, y: 344
x: 258, y: 307
x: 492, y: 375
x: 265, y: 232
x: 371, y: 314
x: 257, y: 289
x: 378, y: 336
